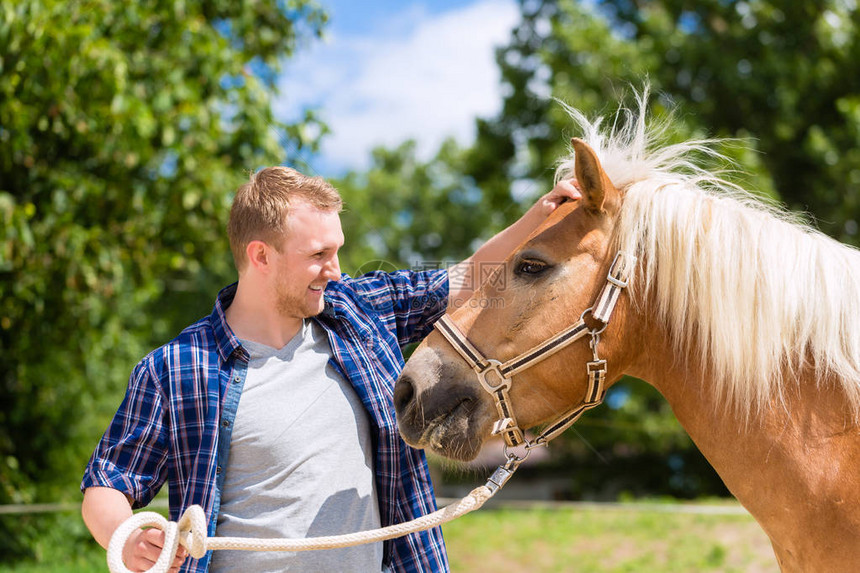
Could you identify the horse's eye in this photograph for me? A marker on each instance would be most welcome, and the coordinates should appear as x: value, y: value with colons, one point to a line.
x: 531, y: 267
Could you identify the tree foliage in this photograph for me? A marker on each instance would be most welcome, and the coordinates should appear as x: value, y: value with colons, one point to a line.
x: 778, y: 76
x: 124, y: 129
x: 404, y: 212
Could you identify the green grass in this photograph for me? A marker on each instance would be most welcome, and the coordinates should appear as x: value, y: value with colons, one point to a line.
x: 606, y: 540
x: 85, y: 560
x: 575, y: 540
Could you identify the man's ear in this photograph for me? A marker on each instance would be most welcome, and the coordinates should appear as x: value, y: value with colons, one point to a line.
x: 258, y: 255
x: 593, y: 182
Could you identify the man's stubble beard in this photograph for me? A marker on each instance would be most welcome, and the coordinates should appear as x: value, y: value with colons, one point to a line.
x: 288, y: 305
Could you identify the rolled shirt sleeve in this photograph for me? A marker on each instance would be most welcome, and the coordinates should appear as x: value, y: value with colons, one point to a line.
x: 131, y: 455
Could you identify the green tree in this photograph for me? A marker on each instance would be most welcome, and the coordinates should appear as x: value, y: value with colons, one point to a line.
x: 783, y: 72
x: 404, y: 212
x: 779, y: 76
x: 124, y: 129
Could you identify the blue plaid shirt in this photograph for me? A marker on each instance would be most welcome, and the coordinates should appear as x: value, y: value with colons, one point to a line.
x: 175, y: 421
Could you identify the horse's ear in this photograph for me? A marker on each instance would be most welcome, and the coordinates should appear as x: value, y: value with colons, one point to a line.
x: 593, y: 181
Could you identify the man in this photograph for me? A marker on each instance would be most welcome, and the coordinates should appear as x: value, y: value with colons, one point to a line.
x: 311, y: 448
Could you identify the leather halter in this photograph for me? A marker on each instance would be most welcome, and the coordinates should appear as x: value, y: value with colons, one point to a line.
x: 495, y: 376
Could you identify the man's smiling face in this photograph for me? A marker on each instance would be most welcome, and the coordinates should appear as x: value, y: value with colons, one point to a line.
x: 306, y: 260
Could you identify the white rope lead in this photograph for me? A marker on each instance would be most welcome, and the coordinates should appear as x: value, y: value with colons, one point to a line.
x: 190, y: 530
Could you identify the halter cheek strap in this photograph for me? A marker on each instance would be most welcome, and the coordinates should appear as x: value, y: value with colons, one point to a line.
x: 495, y: 376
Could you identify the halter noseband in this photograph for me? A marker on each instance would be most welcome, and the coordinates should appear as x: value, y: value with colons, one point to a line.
x: 495, y: 376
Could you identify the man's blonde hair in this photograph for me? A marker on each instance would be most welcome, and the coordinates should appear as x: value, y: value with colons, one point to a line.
x: 261, y: 206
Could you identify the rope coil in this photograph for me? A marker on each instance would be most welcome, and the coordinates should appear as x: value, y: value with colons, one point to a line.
x: 190, y: 532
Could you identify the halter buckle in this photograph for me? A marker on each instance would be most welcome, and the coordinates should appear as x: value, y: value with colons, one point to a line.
x: 501, y: 425
x: 622, y: 271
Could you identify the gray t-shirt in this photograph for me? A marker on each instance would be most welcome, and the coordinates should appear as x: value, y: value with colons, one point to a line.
x: 301, y: 462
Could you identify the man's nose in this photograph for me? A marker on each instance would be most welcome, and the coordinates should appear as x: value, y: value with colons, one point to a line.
x: 332, y: 269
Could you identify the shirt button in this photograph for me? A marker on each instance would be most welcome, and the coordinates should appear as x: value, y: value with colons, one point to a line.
x: 218, y: 471
x: 226, y: 423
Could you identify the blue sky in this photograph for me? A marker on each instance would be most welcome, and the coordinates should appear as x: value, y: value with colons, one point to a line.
x: 388, y: 71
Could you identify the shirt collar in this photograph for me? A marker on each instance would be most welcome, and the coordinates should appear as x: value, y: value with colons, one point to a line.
x: 225, y: 340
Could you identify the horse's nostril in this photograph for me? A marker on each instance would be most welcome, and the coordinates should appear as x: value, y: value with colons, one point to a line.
x: 404, y: 391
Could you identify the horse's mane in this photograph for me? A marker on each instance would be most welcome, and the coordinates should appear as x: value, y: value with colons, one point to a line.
x: 759, y: 294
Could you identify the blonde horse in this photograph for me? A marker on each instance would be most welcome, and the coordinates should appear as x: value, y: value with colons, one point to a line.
x: 744, y: 319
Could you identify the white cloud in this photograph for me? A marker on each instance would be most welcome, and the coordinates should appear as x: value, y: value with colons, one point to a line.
x: 420, y: 76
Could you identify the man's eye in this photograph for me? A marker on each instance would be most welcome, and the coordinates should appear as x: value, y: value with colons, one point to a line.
x: 531, y: 267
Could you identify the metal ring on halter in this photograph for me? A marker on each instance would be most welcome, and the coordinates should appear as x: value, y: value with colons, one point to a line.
x: 538, y: 443
x: 516, y: 459
x: 593, y: 332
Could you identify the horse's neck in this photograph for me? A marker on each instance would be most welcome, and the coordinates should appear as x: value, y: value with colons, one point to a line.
x: 794, y: 466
